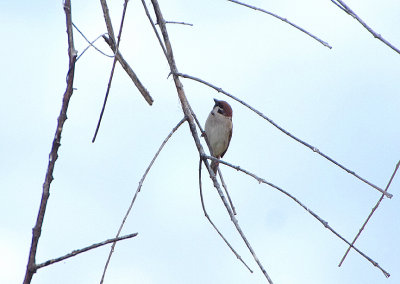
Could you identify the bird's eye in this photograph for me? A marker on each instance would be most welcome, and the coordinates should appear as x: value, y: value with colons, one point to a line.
x: 220, y: 111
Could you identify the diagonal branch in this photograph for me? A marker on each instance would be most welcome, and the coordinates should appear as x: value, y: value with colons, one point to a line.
x: 186, y: 110
x: 130, y: 72
x: 107, y: 19
x: 120, y: 59
x: 137, y: 192
x: 370, y: 215
x: 37, y: 230
x: 76, y: 252
x: 112, y: 68
x: 154, y: 28
x: 323, y: 222
x: 347, y: 9
x: 212, y: 223
x: 284, y: 20
x: 314, y: 149
x: 226, y: 191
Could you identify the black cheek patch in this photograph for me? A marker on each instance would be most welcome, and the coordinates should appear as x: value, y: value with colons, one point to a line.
x: 220, y: 111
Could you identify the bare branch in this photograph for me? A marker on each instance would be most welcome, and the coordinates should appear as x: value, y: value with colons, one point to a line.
x: 284, y: 20
x: 107, y: 19
x: 337, y: 4
x: 323, y: 222
x: 226, y: 191
x: 154, y: 29
x: 314, y: 149
x: 76, y: 252
x: 179, y: 23
x: 137, y: 192
x: 124, y: 64
x: 37, y: 230
x: 347, y: 9
x: 91, y: 43
x: 370, y: 215
x: 212, y: 223
x: 130, y: 72
x: 186, y: 110
x: 112, y: 69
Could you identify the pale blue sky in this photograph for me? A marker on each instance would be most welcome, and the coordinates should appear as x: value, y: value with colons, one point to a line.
x: 345, y: 101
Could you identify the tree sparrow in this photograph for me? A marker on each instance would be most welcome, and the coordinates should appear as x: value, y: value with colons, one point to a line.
x: 218, y: 130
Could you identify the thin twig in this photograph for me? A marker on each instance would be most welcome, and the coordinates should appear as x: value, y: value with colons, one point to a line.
x: 347, y: 9
x: 203, y: 133
x: 314, y: 149
x: 186, y: 110
x: 323, y: 222
x: 179, y: 23
x: 137, y: 192
x: 130, y: 72
x: 370, y: 215
x: 112, y: 71
x: 154, y: 28
x: 212, y: 223
x: 233, y: 218
x: 91, y: 44
x: 37, y: 230
x: 284, y: 20
x: 337, y: 4
x: 111, y: 42
x: 76, y: 252
x: 226, y: 191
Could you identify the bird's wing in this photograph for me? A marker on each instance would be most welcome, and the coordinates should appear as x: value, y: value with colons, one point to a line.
x: 229, y: 141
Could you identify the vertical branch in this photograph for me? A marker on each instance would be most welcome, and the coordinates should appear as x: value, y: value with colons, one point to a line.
x: 31, y: 266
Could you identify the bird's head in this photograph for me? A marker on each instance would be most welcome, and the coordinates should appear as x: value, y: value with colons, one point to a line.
x: 223, y: 108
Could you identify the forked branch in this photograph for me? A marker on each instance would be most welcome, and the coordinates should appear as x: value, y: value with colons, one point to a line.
x: 343, y: 6
x: 186, y: 110
x: 78, y: 251
x: 370, y: 215
x: 314, y: 149
x: 212, y: 223
x: 115, y: 49
x: 124, y: 64
x: 37, y: 230
x: 323, y: 222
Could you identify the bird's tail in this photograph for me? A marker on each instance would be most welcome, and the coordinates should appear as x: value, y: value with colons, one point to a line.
x: 214, y: 166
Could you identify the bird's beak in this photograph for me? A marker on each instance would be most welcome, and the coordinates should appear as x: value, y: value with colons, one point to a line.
x: 216, y: 101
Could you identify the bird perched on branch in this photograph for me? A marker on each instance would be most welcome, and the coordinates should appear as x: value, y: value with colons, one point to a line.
x: 218, y: 130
